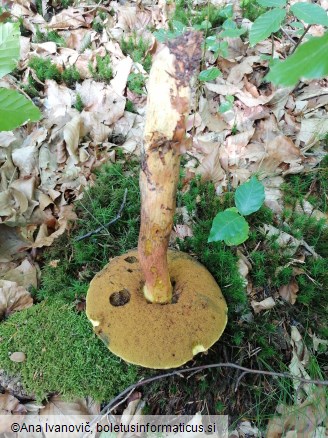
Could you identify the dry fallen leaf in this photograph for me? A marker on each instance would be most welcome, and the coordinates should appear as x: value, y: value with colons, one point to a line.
x: 300, y: 420
x: 24, y: 275
x: 288, y: 292
x: 9, y: 405
x: 266, y: 304
x: 13, y: 298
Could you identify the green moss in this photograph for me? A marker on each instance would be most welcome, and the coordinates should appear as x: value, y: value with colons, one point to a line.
x: 136, y: 83
x: 97, y: 25
x: 62, y: 354
x: 137, y: 48
x: 312, y: 186
x: 103, y: 70
x: 79, y: 105
x: 251, y: 10
x: 43, y: 37
x: 186, y: 13
x: 70, y: 76
x: 31, y: 88
x: 129, y: 106
x: 45, y: 69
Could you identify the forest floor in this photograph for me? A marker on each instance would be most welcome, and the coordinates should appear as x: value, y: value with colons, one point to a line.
x: 62, y: 179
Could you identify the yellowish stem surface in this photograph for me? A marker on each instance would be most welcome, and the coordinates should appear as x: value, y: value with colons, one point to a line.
x: 167, y: 108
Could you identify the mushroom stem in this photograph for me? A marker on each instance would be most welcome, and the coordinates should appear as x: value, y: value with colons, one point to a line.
x: 167, y: 108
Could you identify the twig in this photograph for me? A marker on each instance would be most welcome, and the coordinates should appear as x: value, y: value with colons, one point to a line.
x: 245, y: 370
x: 288, y: 36
x: 116, y: 218
x: 122, y: 396
x: 20, y: 90
x: 301, y: 38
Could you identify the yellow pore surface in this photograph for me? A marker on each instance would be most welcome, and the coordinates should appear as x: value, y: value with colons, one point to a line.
x: 156, y: 335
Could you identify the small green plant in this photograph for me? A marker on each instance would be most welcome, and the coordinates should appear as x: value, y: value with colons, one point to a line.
x: 71, y: 75
x: 136, y: 83
x: 102, y: 71
x: 227, y: 105
x: 79, y: 105
x: 129, y: 106
x: 43, y: 37
x: 137, y: 48
x: 297, y: 65
x: 45, y: 69
x: 15, y: 109
x: 31, y: 88
x: 230, y: 225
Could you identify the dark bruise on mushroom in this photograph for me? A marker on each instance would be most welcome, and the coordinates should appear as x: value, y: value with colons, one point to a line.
x: 133, y: 302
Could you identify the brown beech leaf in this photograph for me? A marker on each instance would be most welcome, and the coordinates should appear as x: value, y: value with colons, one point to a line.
x: 69, y: 18
x: 12, y: 244
x: 288, y: 292
x: 300, y: 420
x: 13, y: 298
x: 210, y: 168
x: 24, y: 275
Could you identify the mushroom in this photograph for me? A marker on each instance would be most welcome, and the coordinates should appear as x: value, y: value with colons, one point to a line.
x: 152, y: 306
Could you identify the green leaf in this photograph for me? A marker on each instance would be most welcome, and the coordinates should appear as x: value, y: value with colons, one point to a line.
x: 310, y: 13
x: 15, y: 109
x: 229, y: 24
x: 265, y: 25
x: 226, y: 12
x: 249, y: 196
x: 209, y: 75
x: 9, y: 47
x: 230, y: 227
x: 163, y: 35
x: 272, y: 3
x: 227, y: 105
x: 310, y: 61
x: 232, y: 33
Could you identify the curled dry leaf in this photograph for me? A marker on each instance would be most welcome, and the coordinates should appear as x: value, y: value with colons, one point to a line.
x: 288, y: 292
x: 244, y: 266
x: 266, y: 304
x: 317, y: 341
x: 300, y: 359
x: 13, y: 298
x: 71, y: 133
x: 210, y: 168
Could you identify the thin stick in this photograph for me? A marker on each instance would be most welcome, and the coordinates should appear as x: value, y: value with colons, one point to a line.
x: 301, y: 38
x: 116, y: 218
x: 245, y: 370
x: 122, y: 396
x: 288, y: 36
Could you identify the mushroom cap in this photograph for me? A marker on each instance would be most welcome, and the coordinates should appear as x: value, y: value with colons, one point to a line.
x: 153, y: 335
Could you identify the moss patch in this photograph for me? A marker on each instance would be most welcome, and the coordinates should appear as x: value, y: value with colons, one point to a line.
x: 62, y: 354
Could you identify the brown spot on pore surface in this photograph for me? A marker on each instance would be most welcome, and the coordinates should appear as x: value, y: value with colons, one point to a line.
x: 131, y: 259
x: 120, y: 298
